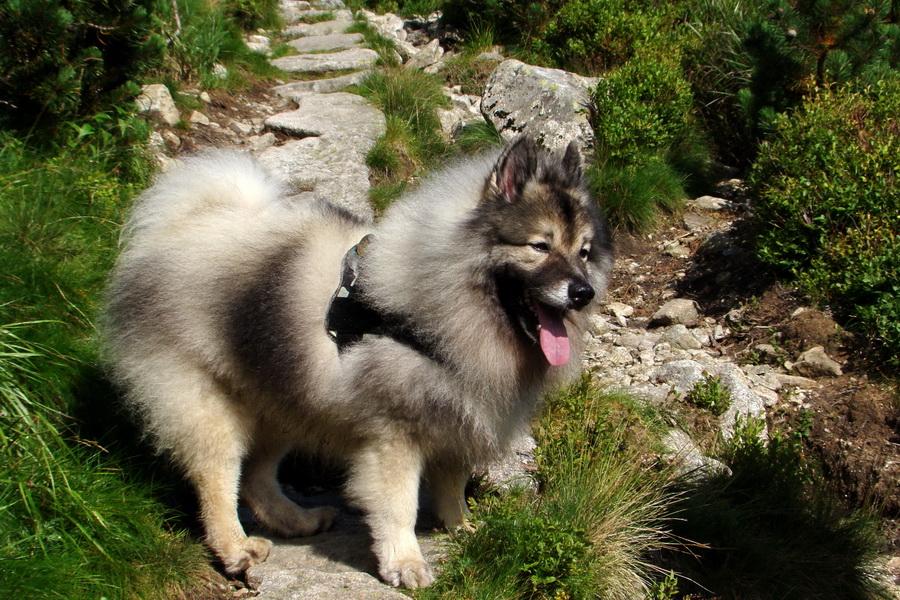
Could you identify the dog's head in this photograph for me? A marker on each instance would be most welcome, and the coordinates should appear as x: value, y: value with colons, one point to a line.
x: 549, y: 248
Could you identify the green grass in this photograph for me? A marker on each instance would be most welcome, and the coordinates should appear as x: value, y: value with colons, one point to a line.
x: 413, y: 142
x: 385, y: 47
x: 591, y: 529
x: 773, y: 529
x: 72, y: 524
x: 637, y: 197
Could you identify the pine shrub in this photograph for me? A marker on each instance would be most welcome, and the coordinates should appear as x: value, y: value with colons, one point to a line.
x: 63, y: 60
x: 829, y: 205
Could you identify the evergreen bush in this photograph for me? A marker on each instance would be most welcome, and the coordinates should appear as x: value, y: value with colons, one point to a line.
x: 63, y: 60
x: 829, y: 205
x: 648, y: 145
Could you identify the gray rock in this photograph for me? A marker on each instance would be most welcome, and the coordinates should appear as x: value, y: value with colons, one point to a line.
x: 794, y: 381
x: 334, y: 41
x: 323, y: 28
x: 816, y: 363
x: 338, y: 114
x: 490, y: 56
x: 389, y: 25
x: 451, y: 122
x: 678, y: 311
x: 745, y: 403
x: 258, y: 143
x: 258, y: 43
x: 354, y: 58
x: 335, y: 565
x: 688, y: 460
x: 156, y: 100
x: 681, y: 375
x: 241, y: 128
x: 517, y: 468
x: 710, y: 203
x: 324, y: 86
x: 696, y: 222
x: 198, y: 118
x: 549, y: 104
x: 678, y: 336
x: 426, y: 56
x: 331, y: 170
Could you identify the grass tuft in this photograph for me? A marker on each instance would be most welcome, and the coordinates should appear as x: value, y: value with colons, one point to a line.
x: 589, y: 531
x: 413, y: 141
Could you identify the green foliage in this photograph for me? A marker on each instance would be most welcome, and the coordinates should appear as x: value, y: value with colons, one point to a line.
x: 478, y: 136
x: 635, y: 196
x: 593, y: 36
x: 711, y: 394
x: 829, y: 206
x: 71, y: 527
x: 589, y: 530
x: 406, y: 8
x: 665, y: 589
x: 254, y: 14
x: 385, y: 47
x: 641, y: 108
x: 413, y: 141
x: 749, y: 61
x: 771, y: 530
x: 648, y: 146
x: 65, y: 60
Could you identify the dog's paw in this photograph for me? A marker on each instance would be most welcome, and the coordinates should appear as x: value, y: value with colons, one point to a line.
x: 411, y: 573
x: 252, y: 551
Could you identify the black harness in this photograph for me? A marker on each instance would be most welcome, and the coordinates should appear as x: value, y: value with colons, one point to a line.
x: 350, y: 318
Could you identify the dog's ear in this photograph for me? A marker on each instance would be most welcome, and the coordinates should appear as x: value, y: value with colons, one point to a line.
x: 572, y: 165
x: 514, y: 168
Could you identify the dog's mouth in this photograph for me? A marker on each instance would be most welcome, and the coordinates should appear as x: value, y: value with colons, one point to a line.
x: 541, y: 323
x: 551, y: 331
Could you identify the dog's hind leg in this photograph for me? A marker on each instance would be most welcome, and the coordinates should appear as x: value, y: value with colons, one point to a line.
x: 384, y: 481
x: 274, y: 510
x: 448, y: 494
x: 208, y: 436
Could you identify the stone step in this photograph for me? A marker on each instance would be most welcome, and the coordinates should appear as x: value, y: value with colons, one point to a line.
x: 323, y: 28
x: 352, y: 59
x: 324, y: 86
x: 333, y: 41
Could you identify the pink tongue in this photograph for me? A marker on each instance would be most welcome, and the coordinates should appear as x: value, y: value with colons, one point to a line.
x: 554, y: 339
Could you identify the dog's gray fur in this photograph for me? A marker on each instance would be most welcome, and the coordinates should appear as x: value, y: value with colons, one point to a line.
x: 215, y: 329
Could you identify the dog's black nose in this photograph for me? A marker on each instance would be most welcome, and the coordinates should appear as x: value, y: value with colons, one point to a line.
x: 580, y: 293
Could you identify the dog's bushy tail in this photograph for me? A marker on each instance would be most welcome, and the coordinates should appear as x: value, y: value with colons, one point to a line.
x: 210, y: 182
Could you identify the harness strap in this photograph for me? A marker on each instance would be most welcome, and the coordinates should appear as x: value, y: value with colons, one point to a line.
x: 350, y: 318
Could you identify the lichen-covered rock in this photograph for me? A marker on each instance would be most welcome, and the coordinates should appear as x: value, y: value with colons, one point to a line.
x: 549, y: 104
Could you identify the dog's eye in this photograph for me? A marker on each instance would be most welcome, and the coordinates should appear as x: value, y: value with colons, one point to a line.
x: 585, y: 253
x: 543, y: 247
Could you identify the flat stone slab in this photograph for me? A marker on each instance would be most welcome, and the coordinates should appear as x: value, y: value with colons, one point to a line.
x: 338, y: 114
x: 336, y: 565
x: 334, y: 41
x: 338, y: 130
x: 323, y: 28
x: 353, y: 59
x: 322, y: 86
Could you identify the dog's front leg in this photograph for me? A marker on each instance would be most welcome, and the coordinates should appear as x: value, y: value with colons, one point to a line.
x: 384, y: 481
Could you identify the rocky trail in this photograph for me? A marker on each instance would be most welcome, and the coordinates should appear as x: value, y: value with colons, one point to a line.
x: 683, y: 304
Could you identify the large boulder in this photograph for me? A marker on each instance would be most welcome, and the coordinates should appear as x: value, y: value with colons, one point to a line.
x: 549, y: 104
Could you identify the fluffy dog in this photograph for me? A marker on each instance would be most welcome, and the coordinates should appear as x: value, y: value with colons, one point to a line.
x: 467, y: 302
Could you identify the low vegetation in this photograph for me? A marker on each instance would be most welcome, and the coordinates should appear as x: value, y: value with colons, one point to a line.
x: 802, y: 96
x: 80, y: 518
